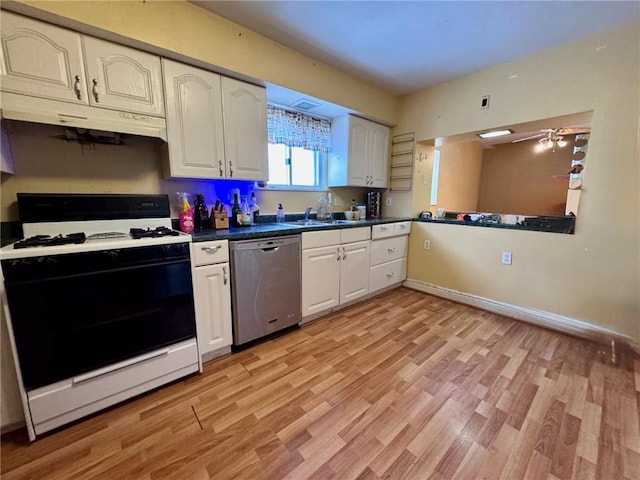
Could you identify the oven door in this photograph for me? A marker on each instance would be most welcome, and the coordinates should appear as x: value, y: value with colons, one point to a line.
x: 75, y: 313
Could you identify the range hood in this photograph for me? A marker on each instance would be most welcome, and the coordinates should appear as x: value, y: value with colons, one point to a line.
x: 52, y: 112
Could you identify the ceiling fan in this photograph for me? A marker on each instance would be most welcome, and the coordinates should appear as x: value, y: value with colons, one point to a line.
x: 551, y: 138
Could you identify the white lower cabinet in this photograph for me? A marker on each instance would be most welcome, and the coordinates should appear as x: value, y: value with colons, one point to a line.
x: 335, y: 268
x: 212, y: 297
x: 388, y: 259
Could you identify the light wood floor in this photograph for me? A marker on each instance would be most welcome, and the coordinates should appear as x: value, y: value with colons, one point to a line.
x: 406, y: 385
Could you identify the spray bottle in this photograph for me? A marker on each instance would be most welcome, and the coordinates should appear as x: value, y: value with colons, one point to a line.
x: 186, y: 214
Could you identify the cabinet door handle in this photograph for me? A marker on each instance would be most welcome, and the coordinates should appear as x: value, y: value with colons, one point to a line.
x: 338, y: 251
x: 391, y: 250
x: 211, y: 249
x: 94, y: 89
x: 221, y: 170
x: 76, y: 87
x: 230, y: 169
x: 225, y: 275
x: 344, y: 253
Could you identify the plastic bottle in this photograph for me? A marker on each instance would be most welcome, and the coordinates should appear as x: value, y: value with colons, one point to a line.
x: 200, y: 213
x: 354, y: 205
x: 329, y: 206
x: 246, y: 213
x: 280, y: 214
x: 255, y: 209
x: 321, y: 212
x: 186, y: 215
x: 236, y: 212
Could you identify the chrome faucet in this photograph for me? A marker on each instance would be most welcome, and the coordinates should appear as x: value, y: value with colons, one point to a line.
x: 307, y: 212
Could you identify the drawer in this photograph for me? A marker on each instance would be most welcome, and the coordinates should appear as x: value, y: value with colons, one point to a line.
x: 67, y: 400
x: 322, y: 238
x: 390, y: 229
x: 402, y: 228
x: 387, y: 249
x: 207, y: 253
x: 349, y: 235
x: 387, y: 274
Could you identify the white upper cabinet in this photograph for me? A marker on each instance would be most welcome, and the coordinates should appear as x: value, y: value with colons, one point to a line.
x: 217, y: 126
x: 122, y: 78
x: 359, y: 154
x: 194, y: 122
x: 245, y: 130
x: 41, y: 60
x: 46, y: 61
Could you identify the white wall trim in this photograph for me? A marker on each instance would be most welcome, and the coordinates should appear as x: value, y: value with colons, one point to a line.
x: 540, y: 318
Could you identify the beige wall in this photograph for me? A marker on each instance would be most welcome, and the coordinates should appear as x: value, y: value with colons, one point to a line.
x: 516, y: 179
x: 592, y: 275
x: 181, y: 30
x: 459, y: 178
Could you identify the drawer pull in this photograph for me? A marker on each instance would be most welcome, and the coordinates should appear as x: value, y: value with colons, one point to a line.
x: 384, y: 228
x: 211, y: 249
x: 225, y: 275
x: 390, y: 275
x: 391, y: 250
x: 402, y: 226
x: 119, y: 366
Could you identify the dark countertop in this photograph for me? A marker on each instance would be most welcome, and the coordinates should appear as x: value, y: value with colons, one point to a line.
x: 263, y: 230
x: 535, y: 224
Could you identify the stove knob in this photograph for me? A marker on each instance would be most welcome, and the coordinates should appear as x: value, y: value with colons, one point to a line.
x: 111, y: 255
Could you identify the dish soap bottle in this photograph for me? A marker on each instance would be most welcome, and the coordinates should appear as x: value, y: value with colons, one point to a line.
x: 280, y: 214
x: 329, y: 207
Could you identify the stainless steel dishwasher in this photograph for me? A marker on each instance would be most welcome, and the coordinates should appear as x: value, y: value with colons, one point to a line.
x: 265, y: 286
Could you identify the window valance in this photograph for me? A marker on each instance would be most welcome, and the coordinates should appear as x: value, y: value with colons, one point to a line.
x: 295, y: 129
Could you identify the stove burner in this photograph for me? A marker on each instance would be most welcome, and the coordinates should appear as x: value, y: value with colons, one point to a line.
x: 148, y: 233
x: 47, y: 240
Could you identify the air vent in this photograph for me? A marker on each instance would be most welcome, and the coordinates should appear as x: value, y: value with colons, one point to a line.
x: 305, y: 104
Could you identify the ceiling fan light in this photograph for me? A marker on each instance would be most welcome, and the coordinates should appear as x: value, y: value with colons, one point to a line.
x: 562, y: 143
x: 539, y: 147
x: 548, y: 144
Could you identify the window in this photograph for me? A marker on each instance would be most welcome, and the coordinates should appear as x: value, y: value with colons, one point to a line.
x: 298, y: 146
x: 295, y: 167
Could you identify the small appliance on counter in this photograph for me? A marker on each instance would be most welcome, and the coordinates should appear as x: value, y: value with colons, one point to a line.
x: 374, y: 205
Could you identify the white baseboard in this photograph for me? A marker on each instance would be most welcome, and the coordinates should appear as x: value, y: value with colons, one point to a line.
x: 540, y: 318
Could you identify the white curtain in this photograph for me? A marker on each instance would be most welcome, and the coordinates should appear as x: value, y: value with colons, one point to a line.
x: 295, y: 129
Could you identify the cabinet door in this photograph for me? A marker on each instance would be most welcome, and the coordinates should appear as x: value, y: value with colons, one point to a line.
x: 245, y: 130
x: 41, y: 60
x: 121, y: 78
x: 358, y: 151
x: 320, y: 279
x: 212, y: 298
x: 378, y: 156
x: 354, y: 270
x: 194, y: 121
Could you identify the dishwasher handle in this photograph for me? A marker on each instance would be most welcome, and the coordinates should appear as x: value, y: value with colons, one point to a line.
x: 270, y: 249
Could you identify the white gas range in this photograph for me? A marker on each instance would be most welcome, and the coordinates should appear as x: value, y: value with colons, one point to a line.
x: 99, y: 303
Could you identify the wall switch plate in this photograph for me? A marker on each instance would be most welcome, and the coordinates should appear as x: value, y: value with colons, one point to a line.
x: 389, y: 201
x: 427, y: 244
x: 484, y: 102
x: 506, y: 258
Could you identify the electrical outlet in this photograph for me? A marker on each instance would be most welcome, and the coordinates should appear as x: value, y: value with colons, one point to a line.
x: 484, y: 102
x: 506, y: 258
x: 427, y: 244
x: 389, y: 201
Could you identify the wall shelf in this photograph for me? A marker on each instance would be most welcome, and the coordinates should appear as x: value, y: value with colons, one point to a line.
x: 401, y: 164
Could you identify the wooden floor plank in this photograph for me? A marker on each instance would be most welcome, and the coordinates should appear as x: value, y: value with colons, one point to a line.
x: 404, y: 385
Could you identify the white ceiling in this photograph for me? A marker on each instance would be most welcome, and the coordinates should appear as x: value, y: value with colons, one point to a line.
x: 404, y: 46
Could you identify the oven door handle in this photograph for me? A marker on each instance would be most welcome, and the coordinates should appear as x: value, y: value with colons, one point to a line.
x: 119, y: 366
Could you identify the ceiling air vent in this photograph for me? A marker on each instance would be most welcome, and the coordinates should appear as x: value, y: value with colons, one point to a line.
x: 305, y: 104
